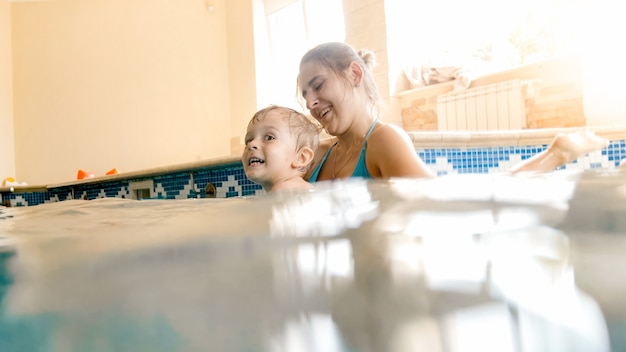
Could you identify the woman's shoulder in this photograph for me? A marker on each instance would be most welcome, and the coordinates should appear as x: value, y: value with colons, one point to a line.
x: 391, y: 153
x: 389, y: 141
x: 388, y: 133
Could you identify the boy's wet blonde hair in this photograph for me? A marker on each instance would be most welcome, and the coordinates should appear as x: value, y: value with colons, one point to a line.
x: 306, y: 131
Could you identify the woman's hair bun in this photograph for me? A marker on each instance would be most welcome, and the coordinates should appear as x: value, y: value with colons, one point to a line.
x: 368, y: 57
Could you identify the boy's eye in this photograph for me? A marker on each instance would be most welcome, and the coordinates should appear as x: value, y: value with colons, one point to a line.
x: 269, y: 138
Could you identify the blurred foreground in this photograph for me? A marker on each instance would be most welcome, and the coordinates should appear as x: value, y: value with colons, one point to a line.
x: 458, y: 263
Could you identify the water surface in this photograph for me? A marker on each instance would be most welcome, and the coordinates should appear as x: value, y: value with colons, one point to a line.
x: 457, y: 263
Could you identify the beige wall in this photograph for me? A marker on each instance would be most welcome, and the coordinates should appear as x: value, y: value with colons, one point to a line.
x: 7, y: 150
x: 242, y: 77
x: 366, y: 28
x: 127, y: 84
x: 99, y: 84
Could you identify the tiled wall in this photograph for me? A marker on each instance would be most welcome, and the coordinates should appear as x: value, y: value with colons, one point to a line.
x: 230, y: 181
x: 500, y: 159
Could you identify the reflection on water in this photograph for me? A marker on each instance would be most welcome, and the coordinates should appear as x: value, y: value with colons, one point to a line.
x: 487, y: 263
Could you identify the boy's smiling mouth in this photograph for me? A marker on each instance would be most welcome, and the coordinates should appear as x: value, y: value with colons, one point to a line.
x: 255, y: 161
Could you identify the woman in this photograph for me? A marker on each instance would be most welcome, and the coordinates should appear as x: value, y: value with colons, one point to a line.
x: 337, y: 85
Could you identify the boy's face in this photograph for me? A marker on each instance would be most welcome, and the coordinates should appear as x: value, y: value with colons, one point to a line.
x: 270, y: 150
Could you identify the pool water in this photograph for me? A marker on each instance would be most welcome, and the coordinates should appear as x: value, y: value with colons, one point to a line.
x: 457, y: 263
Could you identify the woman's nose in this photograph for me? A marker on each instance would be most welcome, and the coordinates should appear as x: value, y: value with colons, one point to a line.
x: 311, y: 101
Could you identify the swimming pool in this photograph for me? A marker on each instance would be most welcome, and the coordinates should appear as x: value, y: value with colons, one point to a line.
x: 445, y: 153
x: 458, y: 263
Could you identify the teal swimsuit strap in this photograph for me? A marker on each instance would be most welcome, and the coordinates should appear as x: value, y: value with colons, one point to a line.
x: 368, y: 133
x: 359, y: 171
x: 316, y: 172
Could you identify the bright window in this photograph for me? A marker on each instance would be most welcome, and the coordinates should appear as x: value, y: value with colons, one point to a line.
x: 487, y: 34
x: 293, y: 27
x: 491, y: 35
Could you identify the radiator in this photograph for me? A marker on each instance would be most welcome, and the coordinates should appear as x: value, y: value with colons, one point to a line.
x: 491, y: 107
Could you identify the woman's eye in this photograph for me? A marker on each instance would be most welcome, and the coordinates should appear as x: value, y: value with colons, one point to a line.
x: 319, y: 86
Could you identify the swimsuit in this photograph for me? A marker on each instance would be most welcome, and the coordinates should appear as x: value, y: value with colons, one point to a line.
x: 359, y: 171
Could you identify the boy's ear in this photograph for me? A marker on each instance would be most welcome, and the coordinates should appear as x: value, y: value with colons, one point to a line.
x: 304, y: 158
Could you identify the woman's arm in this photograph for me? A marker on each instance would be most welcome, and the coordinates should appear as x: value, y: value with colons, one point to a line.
x: 563, y: 149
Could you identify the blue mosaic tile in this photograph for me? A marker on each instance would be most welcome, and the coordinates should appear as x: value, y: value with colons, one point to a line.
x: 230, y: 179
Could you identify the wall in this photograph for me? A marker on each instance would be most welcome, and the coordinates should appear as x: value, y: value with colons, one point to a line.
x: 242, y: 69
x: 135, y: 85
x: 366, y: 28
x: 402, y: 49
x: 7, y: 149
x: 603, y: 75
x: 411, y: 40
x: 115, y: 83
x: 551, y: 91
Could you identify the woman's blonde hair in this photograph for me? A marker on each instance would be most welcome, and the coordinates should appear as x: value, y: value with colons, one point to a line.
x: 337, y: 57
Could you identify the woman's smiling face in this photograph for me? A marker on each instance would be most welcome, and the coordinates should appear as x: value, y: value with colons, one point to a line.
x: 326, y: 94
